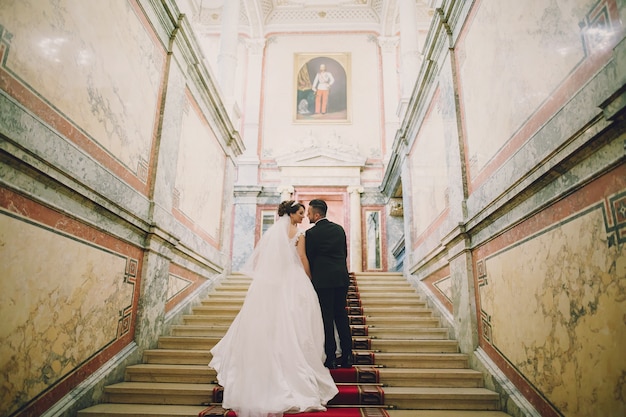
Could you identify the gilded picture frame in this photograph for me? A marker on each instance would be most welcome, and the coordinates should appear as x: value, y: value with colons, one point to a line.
x: 314, y: 73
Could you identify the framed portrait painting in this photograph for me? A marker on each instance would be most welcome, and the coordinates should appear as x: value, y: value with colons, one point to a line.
x: 322, y: 88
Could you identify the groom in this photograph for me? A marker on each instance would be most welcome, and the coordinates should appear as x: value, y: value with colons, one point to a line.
x: 326, y: 249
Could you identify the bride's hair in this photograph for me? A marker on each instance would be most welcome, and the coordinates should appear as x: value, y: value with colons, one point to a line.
x: 289, y: 207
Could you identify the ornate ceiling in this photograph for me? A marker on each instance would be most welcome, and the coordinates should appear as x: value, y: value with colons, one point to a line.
x: 260, y: 17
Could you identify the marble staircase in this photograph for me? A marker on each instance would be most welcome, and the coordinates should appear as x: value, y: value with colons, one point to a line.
x: 421, y: 369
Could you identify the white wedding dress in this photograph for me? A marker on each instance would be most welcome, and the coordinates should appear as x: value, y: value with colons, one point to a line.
x: 271, y: 360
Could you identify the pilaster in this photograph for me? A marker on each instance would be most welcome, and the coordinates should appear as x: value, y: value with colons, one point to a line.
x: 244, y: 224
x: 356, y: 247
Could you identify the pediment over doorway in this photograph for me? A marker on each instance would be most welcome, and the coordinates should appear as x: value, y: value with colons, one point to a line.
x: 316, y: 166
x: 320, y: 157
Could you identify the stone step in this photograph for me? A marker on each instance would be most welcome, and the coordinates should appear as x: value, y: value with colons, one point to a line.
x: 418, y: 398
x: 396, y: 289
x: 235, y: 287
x: 394, y: 284
x: 223, y: 302
x: 370, y: 309
x: 421, y: 360
x: 400, y: 397
x: 238, y: 275
x: 239, y: 280
x: 180, y: 356
x: 150, y: 410
x: 189, y: 344
x: 445, y: 413
x: 155, y: 372
x: 159, y: 393
x: 396, y: 311
x: 414, y: 346
x: 415, y: 377
x: 206, y: 319
x: 411, y: 377
x: 377, y: 321
x: 378, y: 275
x: 380, y: 280
x: 153, y: 410
x: 226, y: 293
x: 192, y: 330
x: 390, y: 359
x: 375, y: 294
x: 141, y: 410
x: 384, y: 305
x: 236, y: 280
x: 405, y: 332
x: 371, y: 321
x: 392, y: 302
x: 221, y: 310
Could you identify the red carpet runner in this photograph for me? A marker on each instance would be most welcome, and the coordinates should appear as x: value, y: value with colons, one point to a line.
x: 360, y: 391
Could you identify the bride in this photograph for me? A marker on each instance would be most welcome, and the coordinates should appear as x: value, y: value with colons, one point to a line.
x: 271, y: 359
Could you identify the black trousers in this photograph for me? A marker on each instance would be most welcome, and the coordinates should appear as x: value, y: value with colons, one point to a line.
x: 333, y: 305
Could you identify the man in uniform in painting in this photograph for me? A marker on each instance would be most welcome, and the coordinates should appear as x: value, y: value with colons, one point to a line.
x: 321, y: 86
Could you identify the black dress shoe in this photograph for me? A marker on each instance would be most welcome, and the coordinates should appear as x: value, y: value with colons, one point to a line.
x: 347, y: 361
x: 330, y: 364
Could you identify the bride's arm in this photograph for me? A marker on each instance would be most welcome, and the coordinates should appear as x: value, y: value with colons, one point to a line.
x: 300, y: 247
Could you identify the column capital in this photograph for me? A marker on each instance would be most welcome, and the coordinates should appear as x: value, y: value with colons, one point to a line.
x: 388, y: 44
x: 256, y: 45
x: 285, y: 189
x: 353, y: 189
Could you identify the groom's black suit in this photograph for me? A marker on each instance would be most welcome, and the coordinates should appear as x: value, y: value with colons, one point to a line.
x: 327, y: 250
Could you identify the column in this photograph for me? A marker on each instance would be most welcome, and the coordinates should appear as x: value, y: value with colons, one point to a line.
x: 286, y: 192
x: 463, y: 294
x: 227, y: 56
x: 249, y: 161
x: 244, y: 224
x: 356, y: 247
x: 388, y: 50
x: 409, y: 51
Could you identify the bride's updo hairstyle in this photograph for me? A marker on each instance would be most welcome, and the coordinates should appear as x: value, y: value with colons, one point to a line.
x: 289, y: 207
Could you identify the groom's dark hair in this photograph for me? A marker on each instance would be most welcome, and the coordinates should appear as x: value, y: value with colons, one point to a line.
x: 319, y: 206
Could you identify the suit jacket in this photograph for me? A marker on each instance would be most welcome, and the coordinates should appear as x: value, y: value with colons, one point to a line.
x: 327, y: 250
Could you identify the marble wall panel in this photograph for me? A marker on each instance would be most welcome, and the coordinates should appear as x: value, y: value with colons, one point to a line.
x: 551, y: 294
x: 69, y: 297
x: 440, y: 284
x: 395, y: 236
x: 519, y: 62
x: 200, y: 176
x: 244, y: 240
x: 94, y: 64
x: 428, y: 172
x: 181, y: 283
